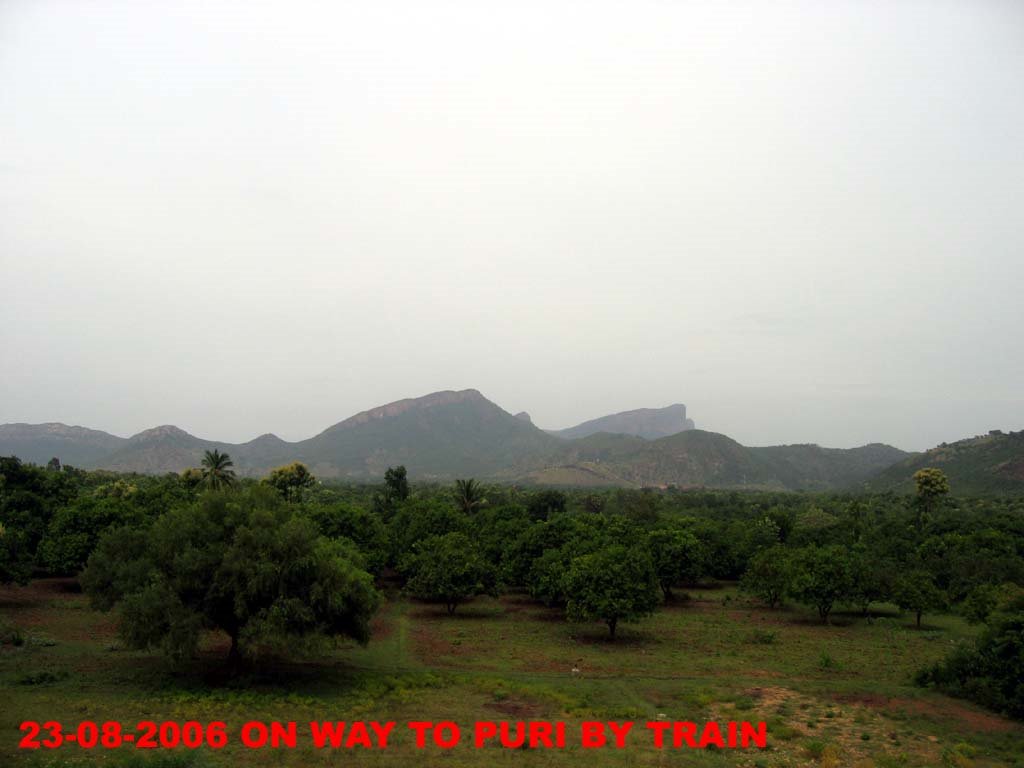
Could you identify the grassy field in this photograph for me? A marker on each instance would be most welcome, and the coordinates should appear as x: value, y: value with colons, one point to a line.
x: 832, y: 696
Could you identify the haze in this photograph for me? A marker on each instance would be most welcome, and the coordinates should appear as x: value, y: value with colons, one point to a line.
x: 803, y: 220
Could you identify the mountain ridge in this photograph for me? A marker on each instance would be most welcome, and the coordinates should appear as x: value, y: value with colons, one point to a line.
x: 648, y: 423
x: 453, y: 433
x: 979, y: 465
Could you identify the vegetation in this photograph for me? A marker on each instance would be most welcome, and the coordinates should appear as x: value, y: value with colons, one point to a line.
x: 978, y: 466
x: 612, y: 585
x: 449, y: 570
x: 242, y: 563
x: 469, y: 496
x: 217, y: 472
x: 260, y: 571
x: 291, y: 480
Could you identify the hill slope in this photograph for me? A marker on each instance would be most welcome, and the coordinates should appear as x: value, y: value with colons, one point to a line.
x: 38, y: 443
x: 988, y: 464
x: 707, y: 459
x: 650, y: 423
x: 445, y: 434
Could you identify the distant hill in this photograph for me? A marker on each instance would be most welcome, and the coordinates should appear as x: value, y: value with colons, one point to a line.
x: 463, y: 434
x: 988, y: 464
x: 444, y: 434
x: 649, y: 423
x: 696, y: 458
x: 38, y: 443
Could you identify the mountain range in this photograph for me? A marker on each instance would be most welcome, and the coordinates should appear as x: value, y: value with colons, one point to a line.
x: 461, y: 434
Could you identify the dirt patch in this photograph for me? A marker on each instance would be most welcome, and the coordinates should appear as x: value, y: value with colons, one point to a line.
x: 947, y: 709
x: 38, y: 591
x: 769, y: 696
x: 435, y: 650
x: 515, y: 708
x: 381, y: 627
x: 869, y: 700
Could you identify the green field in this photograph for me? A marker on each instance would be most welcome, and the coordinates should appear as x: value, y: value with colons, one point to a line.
x: 832, y: 695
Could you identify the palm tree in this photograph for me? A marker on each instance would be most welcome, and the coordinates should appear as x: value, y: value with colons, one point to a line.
x: 469, y: 495
x: 217, y: 472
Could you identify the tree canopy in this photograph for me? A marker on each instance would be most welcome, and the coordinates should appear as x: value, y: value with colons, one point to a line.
x: 242, y: 563
x: 611, y: 585
x: 217, y: 470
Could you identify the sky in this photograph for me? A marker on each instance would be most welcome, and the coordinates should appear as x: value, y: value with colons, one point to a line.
x: 804, y: 220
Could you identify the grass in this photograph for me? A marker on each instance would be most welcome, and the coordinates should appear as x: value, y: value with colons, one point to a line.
x: 832, y: 695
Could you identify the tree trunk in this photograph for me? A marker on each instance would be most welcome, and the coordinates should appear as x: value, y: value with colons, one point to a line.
x: 919, y: 619
x: 451, y: 608
x: 611, y: 627
x: 234, y: 654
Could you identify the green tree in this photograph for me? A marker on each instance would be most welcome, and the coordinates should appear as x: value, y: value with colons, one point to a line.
x: 932, y: 486
x: 544, y: 504
x: 217, y: 470
x: 469, y: 495
x: 769, y: 575
x: 991, y: 670
x: 822, y: 576
x: 985, y: 599
x: 74, y: 530
x: 611, y: 585
x: 397, y: 483
x: 15, y: 557
x: 418, y: 520
x: 192, y: 477
x: 678, y: 557
x: 916, y: 591
x: 547, y: 576
x: 871, y: 578
x: 242, y: 563
x: 361, y: 526
x: 449, y: 570
x: 290, y: 480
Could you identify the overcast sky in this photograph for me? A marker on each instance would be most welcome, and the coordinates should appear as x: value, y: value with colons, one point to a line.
x: 803, y: 220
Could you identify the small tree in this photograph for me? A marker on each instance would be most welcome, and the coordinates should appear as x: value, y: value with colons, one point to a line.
x: 871, y: 578
x: 916, y: 591
x: 989, y: 670
x: 396, y: 482
x: 290, y: 480
x: 545, y: 504
x: 449, y: 570
x: 932, y: 486
x: 678, y: 557
x: 469, y: 495
x: 769, y: 575
x: 361, y: 526
x: 547, y: 576
x: 821, y: 577
x: 75, y: 529
x: 611, y: 585
x: 15, y: 557
x: 217, y: 470
x: 191, y: 478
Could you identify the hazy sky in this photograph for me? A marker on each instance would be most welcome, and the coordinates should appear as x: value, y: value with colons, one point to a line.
x: 803, y: 220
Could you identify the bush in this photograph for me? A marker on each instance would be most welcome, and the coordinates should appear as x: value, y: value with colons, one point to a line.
x: 762, y: 637
x: 990, y: 671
